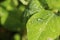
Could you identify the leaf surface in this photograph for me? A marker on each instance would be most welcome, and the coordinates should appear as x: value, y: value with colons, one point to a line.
x: 43, y: 26
x: 3, y: 15
x: 53, y: 4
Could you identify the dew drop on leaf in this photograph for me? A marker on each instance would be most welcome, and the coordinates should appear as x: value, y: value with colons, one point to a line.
x: 39, y: 20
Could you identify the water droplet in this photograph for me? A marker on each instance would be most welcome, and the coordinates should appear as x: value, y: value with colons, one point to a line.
x: 39, y: 20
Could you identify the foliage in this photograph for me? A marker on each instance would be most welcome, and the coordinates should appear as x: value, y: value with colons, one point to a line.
x: 40, y: 18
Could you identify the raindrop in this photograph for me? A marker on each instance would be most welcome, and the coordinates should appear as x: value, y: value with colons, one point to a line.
x: 36, y: 20
x: 39, y: 20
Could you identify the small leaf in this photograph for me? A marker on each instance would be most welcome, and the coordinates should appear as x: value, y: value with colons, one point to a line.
x: 17, y: 37
x: 9, y: 4
x: 25, y: 2
x: 33, y: 7
x: 43, y: 26
x: 53, y: 4
x: 13, y: 22
x: 15, y: 2
x: 3, y: 15
x: 52, y: 29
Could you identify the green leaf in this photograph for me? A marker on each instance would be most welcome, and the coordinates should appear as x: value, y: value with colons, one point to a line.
x: 3, y: 15
x: 43, y: 26
x: 17, y: 37
x: 52, y: 29
x: 9, y: 4
x: 53, y: 4
x: 25, y: 2
x: 15, y: 2
x: 21, y: 8
x: 13, y: 22
x: 33, y: 7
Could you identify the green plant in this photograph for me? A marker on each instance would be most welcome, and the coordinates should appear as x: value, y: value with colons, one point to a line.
x: 39, y: 19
